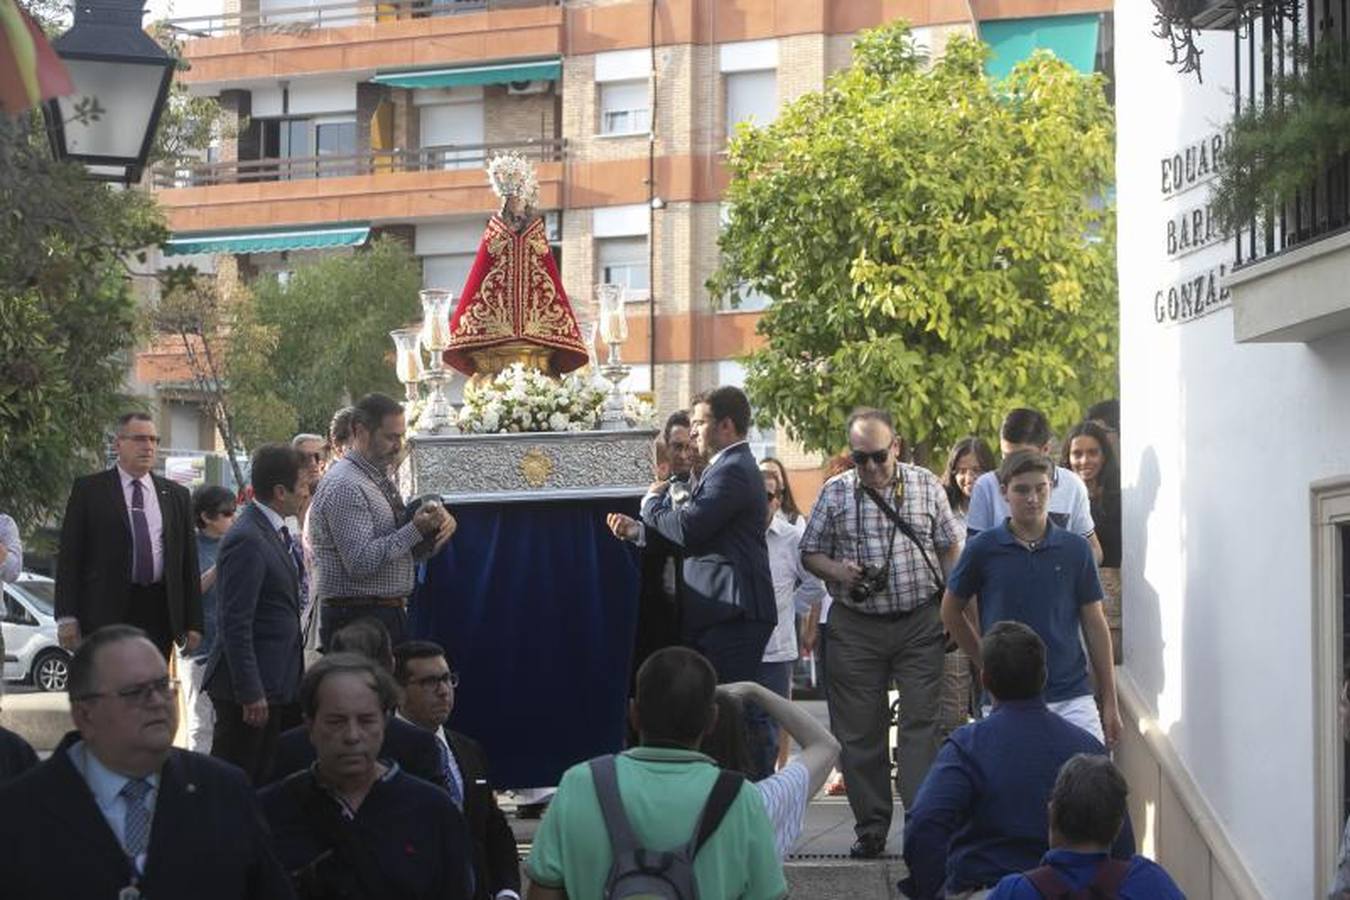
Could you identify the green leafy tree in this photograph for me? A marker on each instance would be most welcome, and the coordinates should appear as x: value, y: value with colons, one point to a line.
x: 934, y: 241
x: 68, y: 317
x: 331, y: 321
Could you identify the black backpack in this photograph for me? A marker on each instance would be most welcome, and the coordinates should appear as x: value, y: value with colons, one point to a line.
x: 1105, y: 885
x: 655, y: 875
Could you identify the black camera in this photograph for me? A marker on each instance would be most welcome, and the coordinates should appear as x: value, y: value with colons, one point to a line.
x: 872, y: 581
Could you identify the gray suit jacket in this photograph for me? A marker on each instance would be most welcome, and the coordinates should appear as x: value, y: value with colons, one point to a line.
x: 259, y: 652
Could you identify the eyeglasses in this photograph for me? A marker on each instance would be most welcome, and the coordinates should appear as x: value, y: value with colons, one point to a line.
x: 860, y: 457
x: 315, y: 458
x: 431, y: 682
x: 142, y: 694
x: 772, y: 495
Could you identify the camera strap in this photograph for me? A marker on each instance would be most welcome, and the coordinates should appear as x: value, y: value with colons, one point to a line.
x: 907, y: 531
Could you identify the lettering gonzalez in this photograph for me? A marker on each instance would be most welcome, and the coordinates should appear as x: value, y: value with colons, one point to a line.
x: 1195, y: 296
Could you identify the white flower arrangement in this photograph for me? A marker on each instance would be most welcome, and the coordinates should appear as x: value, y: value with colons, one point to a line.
x: 519, y: 399
x: 512, y: 175
x: 639, y: 412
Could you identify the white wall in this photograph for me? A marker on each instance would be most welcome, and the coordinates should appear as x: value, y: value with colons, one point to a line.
x: 1221, y: 442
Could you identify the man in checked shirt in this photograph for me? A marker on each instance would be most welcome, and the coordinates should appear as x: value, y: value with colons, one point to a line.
x: 364, y: 543
x: 884, y: 624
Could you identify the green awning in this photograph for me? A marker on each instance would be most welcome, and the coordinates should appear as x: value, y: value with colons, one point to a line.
x: 1071, y: 38
x: 504, y: 73
x: 267, y: 241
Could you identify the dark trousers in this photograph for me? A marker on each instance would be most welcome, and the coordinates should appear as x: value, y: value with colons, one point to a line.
x: 333, y: 618
x: 734, y: 648
x: 251, y: 749
x: 148, y: 610
x: 762, y: 729
x: 867, y: 654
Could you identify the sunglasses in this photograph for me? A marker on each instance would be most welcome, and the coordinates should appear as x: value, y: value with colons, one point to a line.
x: 860, y: 457
x: 315, y: 458
x: 772, y: 495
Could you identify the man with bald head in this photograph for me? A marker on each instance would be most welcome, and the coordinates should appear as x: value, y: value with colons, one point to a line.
x: 881, y: 536
x: 117, y: 811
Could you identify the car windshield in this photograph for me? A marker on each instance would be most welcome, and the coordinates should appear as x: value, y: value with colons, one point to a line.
x: 42, y: 594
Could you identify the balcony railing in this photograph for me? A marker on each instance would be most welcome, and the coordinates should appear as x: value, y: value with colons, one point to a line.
x: 422, y: 159
x: 1263, y: 56
x: 303, y: 19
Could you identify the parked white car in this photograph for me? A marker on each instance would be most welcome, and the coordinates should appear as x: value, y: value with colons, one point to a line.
x: 32, y: 652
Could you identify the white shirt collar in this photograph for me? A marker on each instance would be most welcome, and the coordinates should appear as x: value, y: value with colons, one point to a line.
x: 272, y: 515
x: 105, y: 784
x: 780, y: 524
x: 718, y: 455
x: 128, y: 478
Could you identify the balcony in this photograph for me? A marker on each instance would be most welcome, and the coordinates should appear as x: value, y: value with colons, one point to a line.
x: 375, y: 186
x: 271, y: 42
x: 1290, y: 281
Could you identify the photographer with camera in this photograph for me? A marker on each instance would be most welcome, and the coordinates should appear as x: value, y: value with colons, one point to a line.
x: 881, y: 536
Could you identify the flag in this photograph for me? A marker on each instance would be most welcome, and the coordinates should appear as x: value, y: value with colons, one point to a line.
x: 30, y: 70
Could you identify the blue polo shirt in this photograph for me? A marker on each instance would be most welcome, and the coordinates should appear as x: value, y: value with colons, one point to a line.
x: 1043, y: 588
x: 1144, y: 880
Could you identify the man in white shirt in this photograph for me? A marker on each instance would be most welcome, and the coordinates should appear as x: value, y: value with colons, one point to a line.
x: 429, y: 684
x: 1070, y: 508
x: 795, y: 590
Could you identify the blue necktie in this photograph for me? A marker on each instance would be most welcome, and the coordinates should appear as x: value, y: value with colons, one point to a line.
x: 456, y: 792
x: 143, y: 557
x: 298, y: 557
x: 136, y: 822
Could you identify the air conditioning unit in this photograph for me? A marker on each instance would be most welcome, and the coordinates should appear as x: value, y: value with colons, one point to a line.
x: 525, y: 88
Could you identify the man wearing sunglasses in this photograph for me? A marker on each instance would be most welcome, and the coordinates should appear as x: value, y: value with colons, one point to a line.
x: 881, y: 536
x: 428, y: 697
x: 116, y: 811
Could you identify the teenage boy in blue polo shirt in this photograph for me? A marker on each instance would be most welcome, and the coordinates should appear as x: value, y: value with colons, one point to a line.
x: 1030, y: 570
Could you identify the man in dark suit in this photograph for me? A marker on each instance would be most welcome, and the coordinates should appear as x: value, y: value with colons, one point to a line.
x: 253, y: 675
x: 128, y: 551
x: 428, y: 684
x: 729, y: 608
x: 658, y: 623
x: 117, y: 811
x: 416, y: 751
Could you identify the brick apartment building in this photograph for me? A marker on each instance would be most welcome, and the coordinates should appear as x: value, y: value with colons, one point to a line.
x: 369, y: 117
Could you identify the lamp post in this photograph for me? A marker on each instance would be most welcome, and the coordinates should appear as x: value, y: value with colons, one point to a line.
x: 121, y: 78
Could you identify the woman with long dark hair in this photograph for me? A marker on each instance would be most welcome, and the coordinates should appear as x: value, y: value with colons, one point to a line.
x: 1088, y: 451
x: 969, y: 459
x: 786, y: 504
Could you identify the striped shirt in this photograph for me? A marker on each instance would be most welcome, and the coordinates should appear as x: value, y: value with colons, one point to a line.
x: 784, y: 796
x: 846, y: 525
x: 362, y: 548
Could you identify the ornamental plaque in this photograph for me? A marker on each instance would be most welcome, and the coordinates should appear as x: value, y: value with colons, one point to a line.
x: 504, y: 468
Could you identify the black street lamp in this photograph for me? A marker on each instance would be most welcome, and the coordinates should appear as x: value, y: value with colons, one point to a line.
x: 121, y: 79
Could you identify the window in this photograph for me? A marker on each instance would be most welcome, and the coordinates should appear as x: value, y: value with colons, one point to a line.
x: 337, y: 140
x: 751, y: 97
x: 1331, y: 644
x: 624, y: 108
x: 453, y: 125
x: 623, y: 260
x: 15, y: 614
x: 447, y: 272
x: 763, y: 441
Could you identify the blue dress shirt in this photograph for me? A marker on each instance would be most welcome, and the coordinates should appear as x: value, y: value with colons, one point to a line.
x: 981, y: 810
